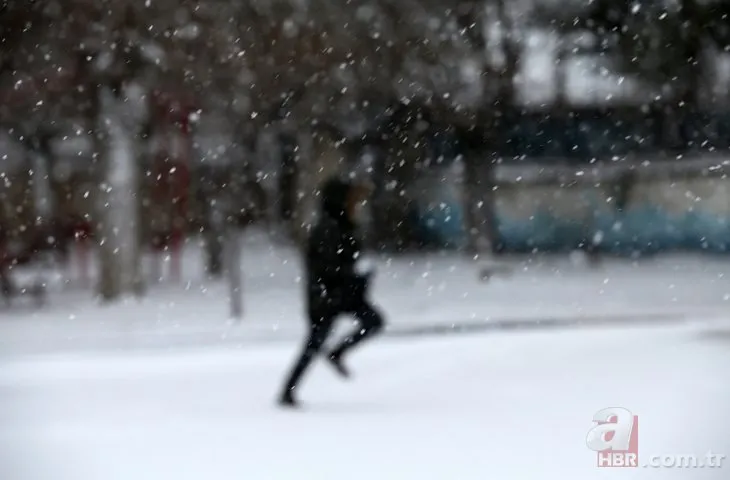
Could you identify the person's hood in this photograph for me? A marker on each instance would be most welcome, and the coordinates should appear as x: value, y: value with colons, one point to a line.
x: 334, y: 196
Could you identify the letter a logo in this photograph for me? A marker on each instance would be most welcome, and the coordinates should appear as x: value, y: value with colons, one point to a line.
x: 615, y: 437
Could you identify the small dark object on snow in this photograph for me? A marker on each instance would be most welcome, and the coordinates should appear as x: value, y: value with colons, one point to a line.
x: 333, y: 285
x: 486, y: 272
x: 7, y: 287
x: 287, y: 400
x: 336, y: 361
x: 38, y: 292
x: 10, y: 291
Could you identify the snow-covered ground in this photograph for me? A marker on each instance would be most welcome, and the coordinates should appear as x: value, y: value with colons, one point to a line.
x: 415, y: 293
x: 80, y: 400
x: 505, y: 405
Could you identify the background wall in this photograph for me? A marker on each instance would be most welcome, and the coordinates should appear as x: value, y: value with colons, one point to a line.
x: 673, y: 204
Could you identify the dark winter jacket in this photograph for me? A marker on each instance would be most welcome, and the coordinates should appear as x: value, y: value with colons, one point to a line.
x: 333, y: 248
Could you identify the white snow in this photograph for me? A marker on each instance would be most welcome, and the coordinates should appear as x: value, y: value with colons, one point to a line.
x: 415, y: 292
x: 485, y: 406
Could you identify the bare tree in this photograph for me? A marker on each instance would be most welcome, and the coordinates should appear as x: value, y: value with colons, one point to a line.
x: 105, y: 58
x: 241, y: 60
x: 344, y: 56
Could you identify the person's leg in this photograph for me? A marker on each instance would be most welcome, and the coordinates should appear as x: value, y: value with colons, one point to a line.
x: 320, y: 328
x: 371, y: 322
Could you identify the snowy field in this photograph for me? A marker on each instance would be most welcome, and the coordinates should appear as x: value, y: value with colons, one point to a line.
x: 496, y: 406
x: 415, y: 292
x: 170, y: 388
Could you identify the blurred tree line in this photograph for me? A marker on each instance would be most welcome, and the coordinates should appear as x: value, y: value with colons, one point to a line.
x: 378, y: 76
x: 672, y: 47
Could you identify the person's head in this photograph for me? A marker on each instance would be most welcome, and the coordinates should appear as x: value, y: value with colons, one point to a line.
x: 343, y: 199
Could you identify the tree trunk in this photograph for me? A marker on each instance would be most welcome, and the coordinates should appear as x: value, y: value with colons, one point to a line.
x: 213, y: 235
x: 379, y: 203
x: 306, y: 189
x: 688, y: 102
x: 288, y: 178
x: 506, y: 100
x: 233, y: 271
x: 119, y: 262
x: 478, y: 199
x: 561, y: 76
x: 210, y: 197
x: 42, y: 191
x: 214, y: 253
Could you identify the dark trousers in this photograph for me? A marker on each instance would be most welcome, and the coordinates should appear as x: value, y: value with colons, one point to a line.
x: 321, y: 324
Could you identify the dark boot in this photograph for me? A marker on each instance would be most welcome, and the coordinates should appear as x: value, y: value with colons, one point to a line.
x: 335, y: 359
x: 371, y: 323
x: 287, y: 400
x: 316, y: 339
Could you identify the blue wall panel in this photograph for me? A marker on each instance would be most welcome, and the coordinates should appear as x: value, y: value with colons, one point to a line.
x: 660, y: 217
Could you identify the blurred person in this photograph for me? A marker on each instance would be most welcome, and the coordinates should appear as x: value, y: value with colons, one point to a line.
x: 337, y: 281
